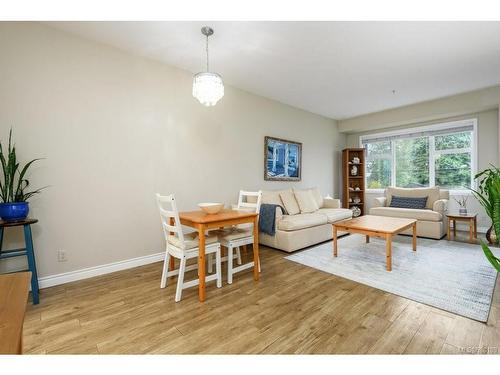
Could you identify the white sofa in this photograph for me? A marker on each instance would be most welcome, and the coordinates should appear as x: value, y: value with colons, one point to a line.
x: 431, y: 221
x: 302, y: 229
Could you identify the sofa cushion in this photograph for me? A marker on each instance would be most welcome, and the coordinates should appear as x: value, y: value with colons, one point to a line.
x: 407, y: 202
x: 432, y: 194
x: 290, y: 203
x: 317, y: 196
x: 408, y: 213
x: 272, y: 197
x: 335, y: 214
x: 295, y: 222
x: 306, y: 201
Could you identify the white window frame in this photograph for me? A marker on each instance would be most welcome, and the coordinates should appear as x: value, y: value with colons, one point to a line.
x: 432, y: 152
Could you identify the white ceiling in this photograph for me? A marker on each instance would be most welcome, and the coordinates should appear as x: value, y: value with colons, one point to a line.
x: 336, y: 69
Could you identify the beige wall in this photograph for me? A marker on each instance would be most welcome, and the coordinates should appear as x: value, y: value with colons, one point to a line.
x: 115, y: 129
x: 488, y: 147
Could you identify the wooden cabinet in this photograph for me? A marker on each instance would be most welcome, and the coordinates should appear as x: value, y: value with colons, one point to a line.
x: 353, y: 180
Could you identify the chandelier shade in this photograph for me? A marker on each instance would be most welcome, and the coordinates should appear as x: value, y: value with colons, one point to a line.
x: 208, y: 88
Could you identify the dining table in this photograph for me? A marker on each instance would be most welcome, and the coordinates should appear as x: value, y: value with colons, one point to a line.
x: 203, y: 222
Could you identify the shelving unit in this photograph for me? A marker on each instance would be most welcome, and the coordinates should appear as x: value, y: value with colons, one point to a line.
x: 351, y: 180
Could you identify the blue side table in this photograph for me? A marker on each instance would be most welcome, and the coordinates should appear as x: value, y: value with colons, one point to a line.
x: 29, y: 251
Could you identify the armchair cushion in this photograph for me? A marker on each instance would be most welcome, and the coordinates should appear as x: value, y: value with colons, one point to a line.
x: 408, y: 213
x: 379, y: 202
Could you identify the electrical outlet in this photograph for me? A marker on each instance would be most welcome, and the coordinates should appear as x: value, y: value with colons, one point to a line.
x: 61, y: 256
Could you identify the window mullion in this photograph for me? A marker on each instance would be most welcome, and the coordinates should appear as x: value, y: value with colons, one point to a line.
x: 432, y: 163
x: 393, y: 163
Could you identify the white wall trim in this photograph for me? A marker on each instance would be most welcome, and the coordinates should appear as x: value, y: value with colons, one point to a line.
x: 85, y: 273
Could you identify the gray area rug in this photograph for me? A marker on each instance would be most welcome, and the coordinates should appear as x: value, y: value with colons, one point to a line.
x: 449, y: 275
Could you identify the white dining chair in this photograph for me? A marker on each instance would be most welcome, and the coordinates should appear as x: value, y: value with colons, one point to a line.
x: 235, y: 237
x: 183, y: 246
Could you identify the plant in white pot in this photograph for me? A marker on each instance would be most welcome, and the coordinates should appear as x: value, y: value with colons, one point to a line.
x: 14, y: 184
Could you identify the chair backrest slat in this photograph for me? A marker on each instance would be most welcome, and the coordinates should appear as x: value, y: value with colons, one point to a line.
x: 243, y: 200
x: 169, y: 216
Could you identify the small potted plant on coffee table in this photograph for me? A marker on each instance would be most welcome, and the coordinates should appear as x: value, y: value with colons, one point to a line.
x: 14, y: 184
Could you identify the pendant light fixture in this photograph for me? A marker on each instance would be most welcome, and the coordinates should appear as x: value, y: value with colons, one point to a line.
x: 208, y: 87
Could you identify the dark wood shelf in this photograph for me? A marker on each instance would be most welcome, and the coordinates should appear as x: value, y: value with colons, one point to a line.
x: 355, y: 204
x: 355, y: 176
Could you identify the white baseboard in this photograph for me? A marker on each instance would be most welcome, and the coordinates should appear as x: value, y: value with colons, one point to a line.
x: 85, y: 273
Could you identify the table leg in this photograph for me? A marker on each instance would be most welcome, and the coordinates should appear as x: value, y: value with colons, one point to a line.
x: 448, y: 232
x: 201, y: 263
x: 415, y: 237
x: 334, y: 240
x: 475, y: 227
x: 367, y: 239
x: 30, y: 253
x: 256, y: 259
x: 454, y: 229
x: 388, y: 252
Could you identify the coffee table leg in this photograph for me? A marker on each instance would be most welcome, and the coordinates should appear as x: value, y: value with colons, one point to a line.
x: 471, y: 231
x: 415, y: 237
x: 388, y: 252
x: 334, y: 240
x: 367, y: 239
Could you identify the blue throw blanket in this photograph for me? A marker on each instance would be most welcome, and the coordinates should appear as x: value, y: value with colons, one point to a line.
x: 267, y: 218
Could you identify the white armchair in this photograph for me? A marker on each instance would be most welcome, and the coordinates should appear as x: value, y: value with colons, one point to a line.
x: 431, y: 221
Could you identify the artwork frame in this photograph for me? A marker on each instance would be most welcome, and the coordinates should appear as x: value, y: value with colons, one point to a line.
x: 282, y: 159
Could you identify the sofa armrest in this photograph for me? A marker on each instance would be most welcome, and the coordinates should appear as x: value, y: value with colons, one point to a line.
x: 331, y: 203
x: 380, y: 202
x: 441, y: 206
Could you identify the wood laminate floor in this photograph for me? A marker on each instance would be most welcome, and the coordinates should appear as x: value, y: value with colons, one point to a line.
x: 292, y: 309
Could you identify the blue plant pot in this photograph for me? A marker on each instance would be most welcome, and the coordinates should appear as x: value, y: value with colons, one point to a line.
x: 14, y: 211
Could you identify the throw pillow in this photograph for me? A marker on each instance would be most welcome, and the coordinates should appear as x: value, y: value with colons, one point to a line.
x: 306, y: 201
x: 406, y: 202
x: 317, y: 196
x: 290, y: 202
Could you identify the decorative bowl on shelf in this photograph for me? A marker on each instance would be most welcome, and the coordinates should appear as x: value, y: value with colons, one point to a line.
x: 211, y: 208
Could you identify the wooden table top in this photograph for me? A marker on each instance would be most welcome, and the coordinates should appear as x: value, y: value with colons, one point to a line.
x: 374, y: 223
x: 14, y: 288
x: 16, y: 223
x: 201, y: 217
x: 456, y: 215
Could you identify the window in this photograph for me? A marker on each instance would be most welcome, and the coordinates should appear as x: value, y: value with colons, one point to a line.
x: 439, y: 155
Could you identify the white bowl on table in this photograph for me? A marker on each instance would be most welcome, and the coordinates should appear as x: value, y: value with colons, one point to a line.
x: 211, y: 208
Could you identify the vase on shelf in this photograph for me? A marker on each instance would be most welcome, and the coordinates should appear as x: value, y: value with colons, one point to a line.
x: 354, y: 170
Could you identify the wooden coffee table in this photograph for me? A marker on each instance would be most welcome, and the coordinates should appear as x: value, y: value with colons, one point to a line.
x: 376, y: 226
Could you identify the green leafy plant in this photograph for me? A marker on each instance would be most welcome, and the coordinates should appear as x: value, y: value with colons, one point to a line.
x: 14, y: 184
x: 489, y: 255
x: 488, y: 194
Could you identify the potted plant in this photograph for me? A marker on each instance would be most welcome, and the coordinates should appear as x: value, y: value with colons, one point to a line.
x: 488, y: 194
x: 14, y: 184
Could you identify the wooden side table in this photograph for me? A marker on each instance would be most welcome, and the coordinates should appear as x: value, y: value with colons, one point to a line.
x: 28, y: 251
x: 470, y: 218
